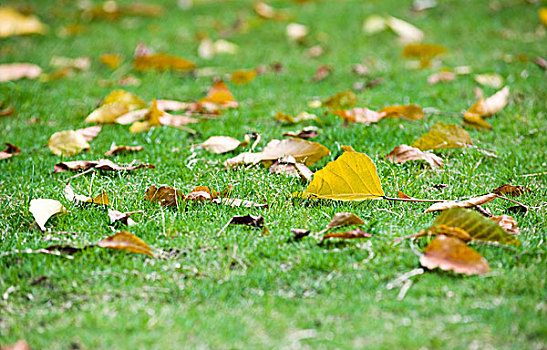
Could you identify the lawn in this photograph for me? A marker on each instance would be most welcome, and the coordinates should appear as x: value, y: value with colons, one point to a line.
x: 245, y: 289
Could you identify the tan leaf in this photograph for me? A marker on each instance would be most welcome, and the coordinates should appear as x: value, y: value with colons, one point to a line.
x: 71, y: 196
x: 492, y: 80
x: 43, y: 209
x: 162, y: 62
x: 90, y: 133
x: 118, y: 216
x: 220, y: 95
x: 451, y: 254
x: 468, y: 203
x: 67, y: 143
x: 172, y: 105
x: 243, y: 159
x: 306, y: 133
x: 108, y: 113
x: 374, y: 24
x: 404, y: 153
x: 220, y: 144
x: 124, y: 240
x: 351, y: 177
x: 121, y: 149
x: 443, y: 136
x: 342, y: 99
x: 353, y: 234
x: 302, y: 116
x: 151, y: 118
x: 16, y: 71
x: 303, y: 151
x: 238, y: 203
x: 507, y: 223
x: 344, y: 219
x: 243, y: 76
x: 102, y: 164
x: 406, y: 31
x: 476, y: 122
x: 412, y: 112
x: 112, y: 61
x: 15, y: 23
x: 441, y: 77
x: 296, y: 31
x: 78, y: 63
x: 492, y: 105
x: 360, y: 115
x: 9, y: 152
x: 322, y: 72
x: 165, y: 195
x: 512, y: 190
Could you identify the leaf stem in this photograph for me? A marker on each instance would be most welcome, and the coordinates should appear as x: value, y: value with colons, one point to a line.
x: 417, y: 200
x: 512, y: 200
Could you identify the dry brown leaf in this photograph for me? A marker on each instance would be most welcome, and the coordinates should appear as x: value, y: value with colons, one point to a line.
x: 102, y: 164
x: 221, y: 144
x: 67, y: 143
x: 359, y: 115
x: 342, y: 99
x: 162, y: 62
x: 9, y: 152
x: 7, y: 111
x: 412, y: 112
x: 303, y: 151
x: 112, y: 61
x: 15, y: 23
x: 16, y: 71
x: 441, y: 77
x: 443, y: 136
x: 121, y: 149
x: 124, y: 240
x: 403, y: 195
x: 221, y: 96
x: 43, y: 209
x: 299, y: 233
x: 243, y: 76
x: 290, y: 167
x: 344, y: 219
x: 165, y: 195
x: 118, y: 216
x: 452, y: 254
x: 305, y: 133
x: 353, y: 234
x: 322, y: 72
x: 491, y: 105
x: 404, y: 153
x: 476, y: 122
x: 512, y: 190
x: 468, y: 203
x: 507, y: 223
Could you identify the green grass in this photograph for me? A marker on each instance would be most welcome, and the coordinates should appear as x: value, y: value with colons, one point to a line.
x: 244, y: 290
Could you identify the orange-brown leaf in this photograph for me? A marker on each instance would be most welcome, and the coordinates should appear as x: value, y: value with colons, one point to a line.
x: 491, y: 105
x: 220, y: 95
x: 9, y: 152
x: 359, y: 115
x: 512, y: 190
x: 413, y: 112
x: 507, y: 223
x: 165, y: 195
x: 353, y: 234
x: 124, y: 240
x: 162, y: 62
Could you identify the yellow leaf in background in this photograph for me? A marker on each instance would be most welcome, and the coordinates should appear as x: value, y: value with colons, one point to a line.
x: 342, y: 99
x: 351, y: 177
x: 491, y: 105
x: 443, y: 136
x: 476, y: 122
x: 492, y: 80
x: 407, y: 32
x: 16, y: 71
x: 542, y: 13
x: 359, y: 115
x: 412, y: 112
x: 468, y: 203
x: 67, y: 143
x: 132, y: 101
x: 302, y: 116
x: 112, y: 61
x: 43, y: 209
x: 126, y: 241
x: 374, y: 24
x: 108, y: 113
x: 220, y: 95
x: 243, y: 76
x: 452, y: 254
x: 162, y: 62
x: 15, y: 23
x: 423, y: 52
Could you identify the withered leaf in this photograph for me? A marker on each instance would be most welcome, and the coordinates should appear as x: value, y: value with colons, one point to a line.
x: 423, y: 52
x: 248, y: 220
x: 405, y: 153
x: 90, y: 133
x: 7, y: 111
x: 67, y: 143
x: 289, y: 166
x: 305, y: 133
x: 16, y: 71
x: 112, y: 61
x: 452, y: 254
x: 9, y: 152
x: 118, y: 216
x: 102, y: 164
x: 120, y: 149
x: 221, y: 96
x: 412, y: 112
x: 107, y: 113
x: 43, y: 209
x: 491, y: 105
x: 507, y: 223
x: 353, y: 234
x: 512, y: 190
x: 443, y: 136
x: 124, y: 240
x: 243, y: 76
x: 351, y: 177
x: 468, y: 203
x: 15, y: 23
x: 322, y: 72
x: 344, y: 219
x: 441, y: 77
x: 359, y: 115
x: 165, y: 195
x: 299, y: 233
x: 151, y: 118
x: 342, y: 99
x: 71, y: 196
x: 161, y: 62
x: 221, y: 144
x: 474, y: 121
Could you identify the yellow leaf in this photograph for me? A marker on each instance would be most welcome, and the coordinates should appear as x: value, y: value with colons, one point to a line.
x: 542, y: 13
x: 162, y: 62
x: 243, y: 76
x: 132, y: 101
x: 492, y: 105
x: 351, y: 177
x: 476, y: 122
x: 151, y: 119
x: 412, y: 112
x: 43, y: 209
x: 443, y: 136
x: 126, y: 241
x: 107, y: 113
x: 423, y: 51
x: 342, y: 99
x: 16, y: 71
x: 15, y: 23
x: 452, y: 254
x: 220, y: 95
x: 112, y: 61
x: 406, y: 31
x: 67, y: 143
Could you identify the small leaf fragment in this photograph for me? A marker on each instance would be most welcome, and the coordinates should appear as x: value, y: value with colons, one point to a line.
x: 468, y: 203
x: 124, y: 240
x: 9, y: 152
x: 43, y: 209
x: 352, y: 234
x: 118, y: 216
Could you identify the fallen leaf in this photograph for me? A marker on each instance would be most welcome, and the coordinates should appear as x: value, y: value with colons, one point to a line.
x: 151, y: 119
x: 67, y: 143
x: 403, y: 195
x: 353, y: 234
x: 451, y: 254
x: 78, y: 63
x: 441, y: 77
x: 43, y: 209
x: 541, y: 62
x: 474, y: 121
x: 407, y: 32
x: 124, y: 240
x: 302, y: 134
x: 243, y: 158
x: 303, y: 151
x: 161, y: 62
x: 59, y: 74
x: 315, y: 51
x: 243, y: 76
x: 360, y: 115
x: 16, y: 71
x: 470, y: 225
x: 102, y: 164
x: 9, y: 152
x: 299, y: 233
x: 290, y: 167
x: 220, y: 95
x: 121, y: 149
x: 468, y: 203
x: 165, y: 195
x: 221, y: 144
x: 351, y: 177
x: 424, y: 52
x: 107, y: 113
x: 404, y: 153
x: 492, y: 80
x: 302, y: 116
x: 7, y: 111
x: 112, y: 61
x: 512, y: 190
x: 344, y: 219
x: 296, y: 32
x: 342, y: 99
x: 507, y: 223
x: 492, y: 105
x: 118, y: 216
x: 412, y: 112
x: 127, y: 98
x: 542, y: 14
x: 374, y: 24
x: 443, y: 136
x: 237, y: 203
x: 19, y: 345
x: 322, y: 72
x: 15, y: 23
x: 267, y: 12
x: 90, y: 133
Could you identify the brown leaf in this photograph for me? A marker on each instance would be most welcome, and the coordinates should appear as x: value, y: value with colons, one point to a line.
x: 491, y: 105
x: 120, y: 149
x: 7, y: 111
x: 102, y: 164
x: 512, y: 190
x: 404, y: 153
x: 412, y: 112
x: 16, y: 71
x: 43, y: 209
x: 342, y: 99
x: 124, y: 240
x: 507, y: 223
x: 221, y: 96
x: 443, y: 136
x: 451, y: 254
x: 15, y: 23
x: 322, y: 72
x: 118, y: 216
x: 90, y: 133
x: 165, y: 195
x: 468, y: 203
x: 476, y: 122
x: 290, y: 167
x: 441, y: 77
x: 353, y: 234
x: 359, y: 115
x: 303, y: 151
x: 161, y: 62
x: 344, y: 219
x: 403, y: 195
x: 71, y: 196
x: 306, y: 133
x: 299, y: 233
x: 9, y: 152
x: 248, y: 220
x: 67, y: 143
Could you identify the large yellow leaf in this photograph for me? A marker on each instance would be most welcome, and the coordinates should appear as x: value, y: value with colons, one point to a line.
x: 351, y: 177
x: 15, y: 23
x: 443, y: 136
x: 67, y: 143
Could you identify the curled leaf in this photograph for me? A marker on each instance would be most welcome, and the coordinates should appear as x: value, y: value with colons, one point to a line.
x: 468, y: 203
x: 404, y: 153
x: 491, y: 105
x: 43, y: 209
x: 9, y: 152
x: 124, y: 240
x: 474, y: 121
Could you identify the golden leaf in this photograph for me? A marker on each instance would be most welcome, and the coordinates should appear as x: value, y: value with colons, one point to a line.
x: 112, y: 61
x: 132, y: 101
x: 405, y: 153
x: 43, y: 209
x: 476, y: 122
x: 359, y: 115
x: 423, y: 51
x: 443, y: 136
x: 451, y: 254
x: 492, y: 105
x: 107, y: 113
x: 468, y: 203
x: 67, y: 143
x: 542, y: 14
x: 162, y: 62
x: 412, y: 112
x: 124, y: 240
x: 16, y: 71
x: 474, y: 224
x: 512, y: 190
x: 342, y: 99
x: 351, y: 177
x: 151, y: 119
x: 220, y: 95
x: 243, y: 76
x: 9, y: 152
x: 15, y: 23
